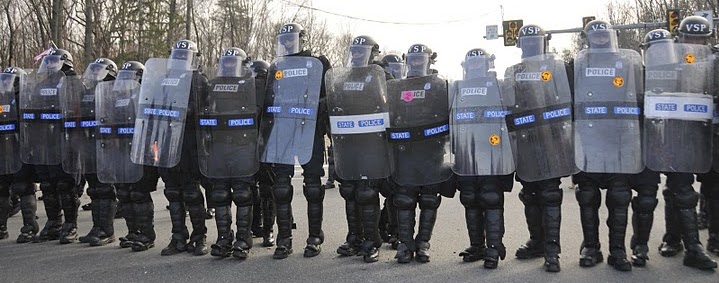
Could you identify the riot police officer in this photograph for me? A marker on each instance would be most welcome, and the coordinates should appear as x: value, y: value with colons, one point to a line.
x: 102, y: 195
x: 58, y: 188
x: 133, y: 182
x: 360, y: 175
x: 482, y: 177
x: 17, y: 178
x: 418, y: 134
x: 680, y: 197
x: 296, y: 63
x: 551, y: 151
x: 606, y: 160
x: 264, y: 206
x: 234, y: 184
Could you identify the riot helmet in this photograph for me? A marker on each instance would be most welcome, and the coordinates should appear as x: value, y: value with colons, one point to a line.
x: 56, y: 60
x: 659, y: 44
x: 259, y: 67
x: 232, y: 63
x: 532, y: 40
x: 599, y: 34
x: 419, y: 59
x: 290, y: 39
x: 477, y: 63
x: 10, y: 79
x: 185, y: 55
x: 102, y: 69
x: 363, y: 51
x: 131, y: 70
x: 694, y: 30
x: 393, y: 65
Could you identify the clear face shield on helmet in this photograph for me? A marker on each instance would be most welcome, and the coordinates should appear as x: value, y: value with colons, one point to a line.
x: 359, y: 56
x: 532, y: 45
x: 602, y: 39
x: 477, y: 66
x: 288, y: 44
x: 182, y: 59
x: 50, y: 64
x: 417, y: 64
x: 398, y: 70
x: 692, y: 38
x: 126, y: 75
x: 95, y: 72
x: 230, y: 66
x: 7, y: 82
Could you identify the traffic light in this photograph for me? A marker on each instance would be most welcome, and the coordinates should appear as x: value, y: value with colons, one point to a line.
x: 673, y: 20
x: 511, y: 30
x: 586, y: 20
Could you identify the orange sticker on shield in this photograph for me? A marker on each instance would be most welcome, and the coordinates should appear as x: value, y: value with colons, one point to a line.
x: 494, y: 140
x: 546, y: 76
x: 689, y: 58
x: 618, y: 81
x: 278, y: 75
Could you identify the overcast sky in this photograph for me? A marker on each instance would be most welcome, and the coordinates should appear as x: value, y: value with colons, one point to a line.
x: 452, y: 40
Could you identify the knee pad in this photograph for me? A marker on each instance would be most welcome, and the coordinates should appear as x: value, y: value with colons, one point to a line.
x: 242, y: 196
x: 105, y: 191
x: 23, y: 188
x: 282, y: 193
x: 367, y: 195
x: 405, y: 202
x: 429, y: 201
x: 123, y: 193
x: 468, y: 196
x: 679, y: 179
x: 140, y: 197
x: 588, y: 195
x: 552, y: 197
x: 529, y: 196
x: 618, y: 197
x: 686, y: 199
x: 491, y: 196
x: 644, y: 204
x: 347, y: 190
x: 173, y: 194
x: 219, y: 195
x: 314, y: 193
x: 92, y: 192
x: 193, y: 196
x: 48, y: 187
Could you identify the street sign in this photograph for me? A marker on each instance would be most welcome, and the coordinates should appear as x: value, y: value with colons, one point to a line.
x: 492, y: 32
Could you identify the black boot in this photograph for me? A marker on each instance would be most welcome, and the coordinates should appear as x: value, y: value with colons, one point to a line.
x: 70, y: 204
x: 535, y: 245
x: 427, y: 218
x: 223, y: 219
x: 712, y: 206
x: 178, y: 242
x: 127, y: 211
x: 28, y: 205
x: 475, y: 228
x: 617, y: 222
x: 284, y: 247
x: 68, y: 234
x: 244, y: 232
x: 4, y: 214
x: 284, y: 219
x: 370, y: 231
x: 198, y: 238
x: 694, y: 256
x: 642, y: 222
x: 106, y: 208
x: 552, y: 249
x: 52, y: 228
x: 314, y: 220
x: 353, y: 241
x: 406, y: 246
x: 494, y: 225
x: 590, y: 252
x: 268, y: 222
x: 145, y: 218
x: 671, y: 242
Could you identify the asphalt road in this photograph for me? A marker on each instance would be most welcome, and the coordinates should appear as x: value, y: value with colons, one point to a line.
x: 51, y: 262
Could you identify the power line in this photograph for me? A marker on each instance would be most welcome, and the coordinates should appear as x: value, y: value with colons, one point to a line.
x: 381, y: 21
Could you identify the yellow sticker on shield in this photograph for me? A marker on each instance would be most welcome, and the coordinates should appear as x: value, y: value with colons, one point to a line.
x: 278, y: 75
x: 546, y: 76
x: 618, y: 81
x: 494, y: 140
x: 689, y: 58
